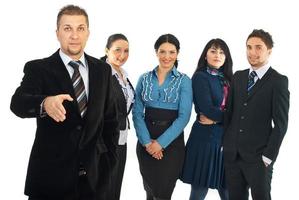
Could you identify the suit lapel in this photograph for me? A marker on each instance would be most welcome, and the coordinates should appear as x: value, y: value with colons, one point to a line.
x: 120, y: 94
x: 96, y: 100
x: 62, y: 74
x: 92, y: 85
x: 63, y: 77
x: 260, y: 83
x: 134, y: 96
x: 242, y: 84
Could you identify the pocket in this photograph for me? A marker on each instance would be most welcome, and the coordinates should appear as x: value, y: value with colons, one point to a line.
x: 100, y: 148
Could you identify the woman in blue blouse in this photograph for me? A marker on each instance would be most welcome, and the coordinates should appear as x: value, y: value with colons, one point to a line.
x: 203, y: 167
x: 117, y: 53
x: 161, y: 111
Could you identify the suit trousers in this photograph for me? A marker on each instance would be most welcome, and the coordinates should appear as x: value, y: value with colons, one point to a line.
x: 117, y: 173
x: 84, y: 193
x: 242, y: 175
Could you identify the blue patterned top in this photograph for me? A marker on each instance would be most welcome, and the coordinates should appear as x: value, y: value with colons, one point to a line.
x: 175, y: 94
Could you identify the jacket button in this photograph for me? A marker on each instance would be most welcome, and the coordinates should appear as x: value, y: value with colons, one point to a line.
x: 245, y: 104
x: 241, y: 130
x: 242, y: 117
x: 79, y: 127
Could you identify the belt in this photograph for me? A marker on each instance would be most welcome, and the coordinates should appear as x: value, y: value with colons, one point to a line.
x: 160, y: 123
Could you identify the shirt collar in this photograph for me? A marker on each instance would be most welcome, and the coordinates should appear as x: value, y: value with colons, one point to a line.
x: 66, y: 59
x: 114, y: 72
x: 261, y: 71
x: 174, y: 71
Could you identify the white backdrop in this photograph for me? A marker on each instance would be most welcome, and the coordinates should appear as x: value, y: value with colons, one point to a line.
x: 28, y: 32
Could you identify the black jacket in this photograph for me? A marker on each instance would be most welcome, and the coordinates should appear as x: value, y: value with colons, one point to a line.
x: 60, y: 147
x: 256, y: 123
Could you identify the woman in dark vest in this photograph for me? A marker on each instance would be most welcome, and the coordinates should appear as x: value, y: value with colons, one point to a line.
x: 117, y: 53
x: 161, y: 111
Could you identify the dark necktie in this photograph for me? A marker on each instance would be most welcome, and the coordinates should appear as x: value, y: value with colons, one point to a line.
x: 251, y: 80
x: 79, y: 88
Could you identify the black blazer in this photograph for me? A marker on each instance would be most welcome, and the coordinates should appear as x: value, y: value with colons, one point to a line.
x: 256, y: 123
x: 121, y: 103
x: 60, y: 147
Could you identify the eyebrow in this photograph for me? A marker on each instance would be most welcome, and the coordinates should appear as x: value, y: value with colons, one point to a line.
x: 214, y: 48
x: 71, y: 25
x: 167, y: 50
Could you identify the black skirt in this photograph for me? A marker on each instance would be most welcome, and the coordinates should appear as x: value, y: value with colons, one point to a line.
x: 160, y: 176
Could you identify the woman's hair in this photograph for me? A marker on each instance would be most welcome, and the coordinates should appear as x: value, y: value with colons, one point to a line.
x: 111, y: 39
x: 228, y: 64
x: 169, y: 38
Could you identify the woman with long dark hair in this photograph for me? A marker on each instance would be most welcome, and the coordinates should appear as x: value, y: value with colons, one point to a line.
x: 203, y: 167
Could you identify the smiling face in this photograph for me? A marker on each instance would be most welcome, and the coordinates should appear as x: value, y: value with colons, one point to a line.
x: 215, y: 57
x: 118, y: 53
x: 72, y: 34
x: 167, y: 55
x: 257, y: 52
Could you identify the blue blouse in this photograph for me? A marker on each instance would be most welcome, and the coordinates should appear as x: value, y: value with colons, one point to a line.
x: 175, y: 93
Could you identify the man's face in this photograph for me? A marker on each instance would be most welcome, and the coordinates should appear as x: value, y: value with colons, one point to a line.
x: 257, y: 52
x: 72, y: 34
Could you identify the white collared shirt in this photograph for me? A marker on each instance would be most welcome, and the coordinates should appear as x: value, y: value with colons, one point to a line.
x: 83, y: 69
x: 261, y: 71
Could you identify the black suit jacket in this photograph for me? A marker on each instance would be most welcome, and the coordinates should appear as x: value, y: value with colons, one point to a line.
x: 256, y: 123
x: 60, y: 147
x: 121, y: 103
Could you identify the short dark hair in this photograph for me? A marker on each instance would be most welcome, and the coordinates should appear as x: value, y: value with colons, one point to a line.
x: 227, y: 65
x: 71, y: 10
x: 264, y: 36
x: 169, y: 38
x: 111, y: 39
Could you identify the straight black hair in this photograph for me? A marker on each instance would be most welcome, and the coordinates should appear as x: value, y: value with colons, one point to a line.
x: 228, y: 64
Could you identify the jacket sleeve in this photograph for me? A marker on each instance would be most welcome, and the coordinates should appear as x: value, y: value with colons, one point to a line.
x: 28, y: 97
x: 203, y: 98
x: 280, y: 110
x: 184, y: 113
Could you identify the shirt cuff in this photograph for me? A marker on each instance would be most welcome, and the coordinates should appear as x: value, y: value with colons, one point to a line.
x: 42, y: 112
x: 267, y: 160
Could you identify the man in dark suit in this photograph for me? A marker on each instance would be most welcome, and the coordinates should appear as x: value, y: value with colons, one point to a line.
x: 256, y: 122
x: 76, y: 127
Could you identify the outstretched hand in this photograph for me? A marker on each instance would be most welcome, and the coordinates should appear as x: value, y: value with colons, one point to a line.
x: 54, y: 108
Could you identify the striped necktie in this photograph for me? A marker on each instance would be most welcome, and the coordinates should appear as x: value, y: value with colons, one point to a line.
x: 79, y: 88
x: 251, y: 81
